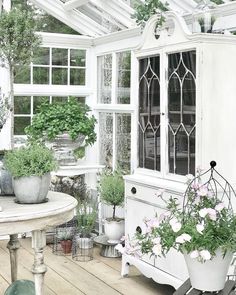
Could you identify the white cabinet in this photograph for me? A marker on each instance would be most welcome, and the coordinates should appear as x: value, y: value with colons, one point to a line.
x: 186, y: 115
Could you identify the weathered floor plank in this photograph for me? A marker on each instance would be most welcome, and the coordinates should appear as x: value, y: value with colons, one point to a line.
x: 65, y: 276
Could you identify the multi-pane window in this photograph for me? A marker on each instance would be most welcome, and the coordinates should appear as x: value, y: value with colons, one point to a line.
x: 26, y: 106
x: 114, y: 124
x: 178, y: 115
x: 54, y: 66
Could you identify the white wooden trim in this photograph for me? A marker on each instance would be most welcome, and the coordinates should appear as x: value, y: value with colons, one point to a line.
x: 71, y: 4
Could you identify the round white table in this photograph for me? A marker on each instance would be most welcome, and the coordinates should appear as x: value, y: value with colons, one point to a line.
x: 35, y: 218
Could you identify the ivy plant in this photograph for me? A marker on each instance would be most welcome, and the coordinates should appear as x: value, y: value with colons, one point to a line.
x: 144, y: 10
x: 70, y: 117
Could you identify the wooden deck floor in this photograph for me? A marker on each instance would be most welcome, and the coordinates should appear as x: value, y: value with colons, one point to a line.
x: 66, y: 276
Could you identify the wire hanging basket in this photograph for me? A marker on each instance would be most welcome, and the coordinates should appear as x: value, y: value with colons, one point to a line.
x: 217, y: 187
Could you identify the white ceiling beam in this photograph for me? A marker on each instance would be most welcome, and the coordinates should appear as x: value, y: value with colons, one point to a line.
x: 102, y: 15
x: 71, y: 4
x: 75, y: 19
x: 117, y: 10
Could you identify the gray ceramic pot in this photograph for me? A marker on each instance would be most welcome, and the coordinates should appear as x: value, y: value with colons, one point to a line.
x: 31, y: 189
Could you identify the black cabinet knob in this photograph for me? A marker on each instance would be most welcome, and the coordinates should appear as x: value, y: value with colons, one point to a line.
x: 138, y: 230
x: 133, y: 190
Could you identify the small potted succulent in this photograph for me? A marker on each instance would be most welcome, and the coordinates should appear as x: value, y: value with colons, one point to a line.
x: 30, y: 168
x: 65, y: 236
x: 111, y: 188
x: 67, y: 126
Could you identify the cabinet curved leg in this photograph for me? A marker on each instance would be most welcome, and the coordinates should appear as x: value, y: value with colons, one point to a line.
x: 124, y: 268
x: 39, y: 268
x: 13, y: 245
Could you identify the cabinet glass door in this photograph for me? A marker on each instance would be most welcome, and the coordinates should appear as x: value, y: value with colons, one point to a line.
x: 181, y: 112
x: 149, y: 113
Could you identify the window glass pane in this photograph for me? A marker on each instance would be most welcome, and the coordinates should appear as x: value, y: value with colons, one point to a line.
x: 149, y: 113
x: 59, y: 99
x: 40, y: 75
x: 59, y: 76
x: 123, y: 143
x: 77, y: 76
x: 77, y: 57
x: 123, y: 83
x: 19, y: 125
x: 22, y: 75
x: 41, y: 56
x: 106, y: 138
x: 60, y: 56
x: 181, y: 112
x: 104, y: 78
x: 22, y: 105
x: 37, y: 100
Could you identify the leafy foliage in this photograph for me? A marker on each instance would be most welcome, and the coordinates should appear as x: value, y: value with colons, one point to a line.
x: 34, y: 159
x: 65, y: 234
x: 86, y: 216
x: 5, y: 109
x: 57, y: 118
x: 200, y: 227
x: 148, y: 8
x: 18, y: 39
x: 112, y: 189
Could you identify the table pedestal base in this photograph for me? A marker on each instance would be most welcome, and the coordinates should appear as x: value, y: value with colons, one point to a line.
x: 107, y: 249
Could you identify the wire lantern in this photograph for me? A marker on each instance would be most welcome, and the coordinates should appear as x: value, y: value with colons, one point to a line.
x: 214, y: 183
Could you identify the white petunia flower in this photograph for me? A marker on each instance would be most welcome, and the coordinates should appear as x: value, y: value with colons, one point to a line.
x: 156, y: 240
x: 203, y: 212
x: 173, y: 221
x: 194, y: 254
x: 203, y: 191
x: 156, y: 249
x: 212, y: 213
x: 183, y: 238
x: 187, y: 237
x: 205, y: 254
x: 200, y: 228
x: 176, y: 227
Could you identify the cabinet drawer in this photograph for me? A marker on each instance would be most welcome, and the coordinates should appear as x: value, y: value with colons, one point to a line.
x: 151, y: 195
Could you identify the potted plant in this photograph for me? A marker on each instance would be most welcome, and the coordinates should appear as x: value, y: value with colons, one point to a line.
x: 202, y: 227
x: 111, y: 188
x: 30, y: 168
x: 63, y: 124
x: 65, y: 236
x: 18, y: 41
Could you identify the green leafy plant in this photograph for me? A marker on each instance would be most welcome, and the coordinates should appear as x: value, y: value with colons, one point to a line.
x: 65, y: 234
x: 144, y: 10
x: 111, y: 188
x: 199, y: 227
x: 34, y: 159
x: 86, y: 217
x: 18, y: 41
x: 65, y: 117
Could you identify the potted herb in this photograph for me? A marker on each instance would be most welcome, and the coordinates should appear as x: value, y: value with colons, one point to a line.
x: 202, y: 227
x: 111, y: 188
x: 63, y: 124
x: 30, y: 167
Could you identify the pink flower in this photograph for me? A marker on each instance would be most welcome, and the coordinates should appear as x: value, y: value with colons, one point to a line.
x: 195, y: 186
x: 203, y: 191
x: 212, y: 213
x: 219, y: 207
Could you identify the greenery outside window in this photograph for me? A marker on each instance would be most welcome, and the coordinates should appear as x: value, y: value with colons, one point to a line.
x: 54, y: 66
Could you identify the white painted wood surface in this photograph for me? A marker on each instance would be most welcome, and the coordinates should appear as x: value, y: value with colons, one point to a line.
x: 36, y: 218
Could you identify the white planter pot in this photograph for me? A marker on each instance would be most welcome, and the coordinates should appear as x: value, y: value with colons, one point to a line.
x: 32, y: 189
x: 114, y: 230
x: 84, y: 243
x: 210, y: 275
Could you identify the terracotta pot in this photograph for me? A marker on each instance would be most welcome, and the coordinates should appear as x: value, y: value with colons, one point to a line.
x: 211, y: 274
x: 66, y: 246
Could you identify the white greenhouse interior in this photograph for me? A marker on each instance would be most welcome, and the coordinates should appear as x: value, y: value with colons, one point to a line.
x: 164, y: 99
